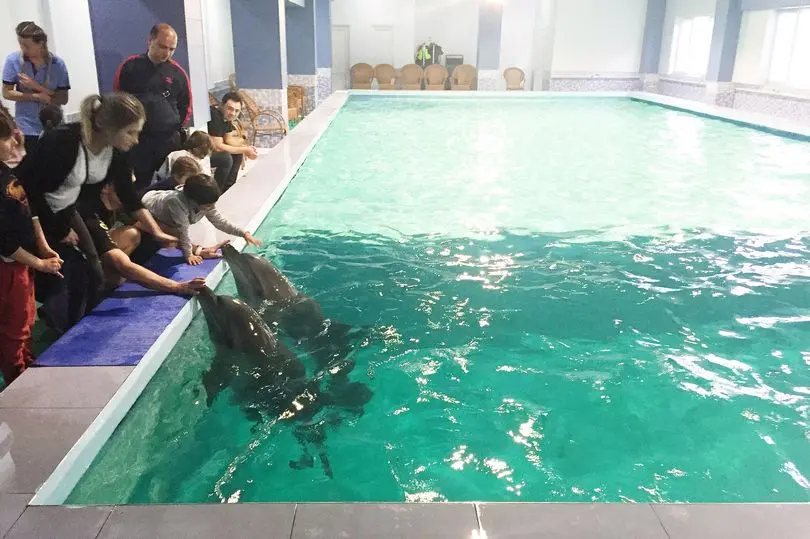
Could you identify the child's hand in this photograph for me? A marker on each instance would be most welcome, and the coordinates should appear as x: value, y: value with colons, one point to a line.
x: 194, y: 260
x: 251, y: 240
x: 49, y: 265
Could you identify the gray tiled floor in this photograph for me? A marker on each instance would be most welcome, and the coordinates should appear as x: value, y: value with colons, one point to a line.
x: 735, y: 521
x: 11, y: 507
x: 64, y: 387
x: 46, y: 435
x: 394, y: 521
x: 200, y: 521
x: 60, y: 523
x: 572, y: 521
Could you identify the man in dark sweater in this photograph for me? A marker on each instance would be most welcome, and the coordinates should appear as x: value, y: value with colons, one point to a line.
x: 165, y: 91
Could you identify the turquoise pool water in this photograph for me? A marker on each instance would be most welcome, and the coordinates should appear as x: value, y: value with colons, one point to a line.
x: 573, y: 300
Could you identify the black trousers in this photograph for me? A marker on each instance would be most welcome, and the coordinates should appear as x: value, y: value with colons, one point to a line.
x: 226, y: 167
x: 150, y: 153
x: 66, y: 301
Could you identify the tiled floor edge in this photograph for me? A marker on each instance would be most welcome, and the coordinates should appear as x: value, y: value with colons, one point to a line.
x: 64, y: 478
x: 366, y: 520
x: 774, y: 124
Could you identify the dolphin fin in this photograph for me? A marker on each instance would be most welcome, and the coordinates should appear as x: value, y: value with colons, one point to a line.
x: 212, y: 386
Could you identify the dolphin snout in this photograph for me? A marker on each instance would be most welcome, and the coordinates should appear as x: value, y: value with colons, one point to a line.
x: 229, y: 251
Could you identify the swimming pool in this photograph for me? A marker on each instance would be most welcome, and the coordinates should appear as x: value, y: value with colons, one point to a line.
x: 573, y: 300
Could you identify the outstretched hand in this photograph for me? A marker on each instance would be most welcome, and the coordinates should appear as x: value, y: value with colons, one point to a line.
x: 213, y: 252
x: 252, y: 240
x: 190, y: 288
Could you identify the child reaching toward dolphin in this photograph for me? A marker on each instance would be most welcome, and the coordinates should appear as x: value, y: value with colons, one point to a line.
x: 178, y: 209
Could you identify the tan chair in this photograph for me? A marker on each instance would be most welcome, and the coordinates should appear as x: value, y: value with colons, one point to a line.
x: 463, y: 77
x: 515, y: 78
x: 412, y: 76
x: 299, y: 95
x: 386, y: 77
x: 274, y: 124
x: 435, y: 77
x: 361, y: 76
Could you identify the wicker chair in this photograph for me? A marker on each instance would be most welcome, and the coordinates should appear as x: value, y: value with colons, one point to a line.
x: 435, y: 77
x: 386, y: 77
x: 254, y: 114
x: 361, y: 76
x: 295, y: 103
x: 463, y: 77
x: 515, y: 78
x: 412, y: 75
x: 275, y: 124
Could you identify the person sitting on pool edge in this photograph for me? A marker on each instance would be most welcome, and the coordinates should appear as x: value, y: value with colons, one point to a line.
x: 175, y: 211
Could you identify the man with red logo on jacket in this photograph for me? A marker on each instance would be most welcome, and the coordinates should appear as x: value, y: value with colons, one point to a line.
x: 164, y: 89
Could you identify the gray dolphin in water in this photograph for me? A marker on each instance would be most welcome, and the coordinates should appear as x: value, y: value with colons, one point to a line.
x: 267, y: 379
x: 297, y: 314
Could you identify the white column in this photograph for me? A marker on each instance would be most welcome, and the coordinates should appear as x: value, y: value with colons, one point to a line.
x: 197, y: 62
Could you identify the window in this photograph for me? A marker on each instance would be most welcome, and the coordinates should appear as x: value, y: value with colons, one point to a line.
x: 691, y: 44
x: 790, y: 51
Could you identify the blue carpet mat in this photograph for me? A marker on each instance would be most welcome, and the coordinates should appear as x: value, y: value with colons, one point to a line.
x: 126, y: 324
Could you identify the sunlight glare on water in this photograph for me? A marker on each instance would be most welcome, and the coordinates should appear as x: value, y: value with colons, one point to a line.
x: 572, y: 300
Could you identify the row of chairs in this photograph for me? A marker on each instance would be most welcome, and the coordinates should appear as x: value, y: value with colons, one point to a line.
x: 412, y: 76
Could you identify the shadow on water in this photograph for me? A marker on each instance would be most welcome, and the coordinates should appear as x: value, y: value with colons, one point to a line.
x: 528, y: 367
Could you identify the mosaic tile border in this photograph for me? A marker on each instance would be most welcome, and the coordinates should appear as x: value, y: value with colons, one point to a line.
x: 324, y: 84
x: 594, y: 84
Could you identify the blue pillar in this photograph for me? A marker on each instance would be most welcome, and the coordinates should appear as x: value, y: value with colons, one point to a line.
x: 301, y: 53
x: 301, y: 39
x: 726, y: 34
x: 490, y: 21
x: 121, y: 29
x: 323, y: 49
x: 260, y: 53
x: 653, y: 36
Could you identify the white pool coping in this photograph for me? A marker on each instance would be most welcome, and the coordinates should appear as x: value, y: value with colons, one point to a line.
x: 69, y: 471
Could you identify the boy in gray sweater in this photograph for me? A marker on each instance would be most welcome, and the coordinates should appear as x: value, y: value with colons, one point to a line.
x: 178, y: 209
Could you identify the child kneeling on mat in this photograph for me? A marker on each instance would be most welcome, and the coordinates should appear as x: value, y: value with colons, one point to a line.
x: 175, y: 211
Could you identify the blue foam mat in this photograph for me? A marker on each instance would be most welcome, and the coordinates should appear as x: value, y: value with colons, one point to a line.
x: 124, y: 326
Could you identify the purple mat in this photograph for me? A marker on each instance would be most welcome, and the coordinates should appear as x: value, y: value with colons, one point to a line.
x: 125, y: 325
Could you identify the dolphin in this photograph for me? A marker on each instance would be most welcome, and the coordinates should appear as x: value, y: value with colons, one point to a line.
x: 298, y: 315
x: 267, y: 379
x: 250, y: 359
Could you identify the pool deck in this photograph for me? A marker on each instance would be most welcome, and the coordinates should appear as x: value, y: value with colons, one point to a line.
x: 59, y: 416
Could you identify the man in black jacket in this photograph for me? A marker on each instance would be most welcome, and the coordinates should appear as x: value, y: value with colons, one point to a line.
x: 165, y: 91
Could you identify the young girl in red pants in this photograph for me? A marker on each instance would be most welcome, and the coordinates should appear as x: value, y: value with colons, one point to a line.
x: 20, y: 238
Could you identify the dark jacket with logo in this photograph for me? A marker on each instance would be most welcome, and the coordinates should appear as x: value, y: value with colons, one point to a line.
x: 164, y: 90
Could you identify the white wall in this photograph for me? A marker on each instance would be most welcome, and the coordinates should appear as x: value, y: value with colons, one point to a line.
x: 517, y: 36
x: 71, y: 38
x: 750, y: 66
x: 362, y: 16
x: 681, y: 9
x: 218, y: 34
x: 453, y: 24
x: 598, y: 36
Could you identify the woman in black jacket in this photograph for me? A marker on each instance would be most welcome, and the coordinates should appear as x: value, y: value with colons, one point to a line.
x: 65, y: 176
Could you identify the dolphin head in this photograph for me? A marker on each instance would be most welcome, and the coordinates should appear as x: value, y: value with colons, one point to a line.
x: 210, y: 302
x: 246, y: 282
x: 228, y: 318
